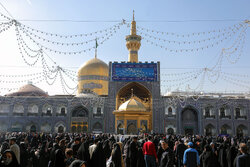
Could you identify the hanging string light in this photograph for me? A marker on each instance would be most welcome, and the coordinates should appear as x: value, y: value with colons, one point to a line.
x: 193, y: 33
x: 196, y: 49
x: 68, y: 52
x: 116, y: 26
x: 5, y: 26
x: 70, y: 43
x: 183, y: 78
x: 225, y: 35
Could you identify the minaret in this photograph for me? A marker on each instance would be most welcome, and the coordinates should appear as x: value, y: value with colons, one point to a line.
x: 133, y: 43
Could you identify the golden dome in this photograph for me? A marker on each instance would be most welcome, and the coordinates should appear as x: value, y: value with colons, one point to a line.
x: 94, y: 66
x: 93, y: 75
x: 132, y: 105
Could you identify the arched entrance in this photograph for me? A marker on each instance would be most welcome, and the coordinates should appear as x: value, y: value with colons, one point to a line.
x: 135, y: 93
x: 209, y: 130
x: 60, y: 129
x: 33, y: 128
x: 170, y: 131
x: 84, y: 129
x: 120, y: 129
x: 189, y: 119
x: 79, y: 119
x: 131, y: 130
x: 241, y: 131
x: 225, y: 129
x: 97, y: 127
x: 79, y: 129
x: 136, y: 89
x: 73, y: 129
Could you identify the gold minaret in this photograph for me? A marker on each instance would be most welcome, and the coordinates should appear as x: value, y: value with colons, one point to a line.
x: 133, y: 42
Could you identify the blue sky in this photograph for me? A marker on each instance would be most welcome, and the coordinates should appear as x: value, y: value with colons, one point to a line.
x: 165, y: 15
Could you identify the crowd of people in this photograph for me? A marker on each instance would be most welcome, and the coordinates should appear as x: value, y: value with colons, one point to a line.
x: 107, y: 150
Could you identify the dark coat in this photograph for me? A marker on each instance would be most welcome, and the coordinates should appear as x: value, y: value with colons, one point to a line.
x: 126, y: 153
x: 83, y: 152
x: 140, y: 158
x: 180, y: 149
x: 116, y: 156
x: 98, y: 157
x: 59, y: 158
x: 107, y: 148
x: 133, y: 152
x: 24, y: 155
x: 167, y: 158
x: 159, y: 153
x: 223, y: 155
x: 243, y: 160
x: 75, y: 148
x: 53, y: 155
x: 43, y: 156
x: 209, y: 159
x: 231, y: 155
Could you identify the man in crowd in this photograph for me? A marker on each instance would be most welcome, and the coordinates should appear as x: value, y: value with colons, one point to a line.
x: 93, y: 147
x: 167, y: 158
x: 191, y: 157
x: 180, y: 149
x: 75, y: 146
x: 15, y: 148
x: 150, y: 153
x: 244, y: 159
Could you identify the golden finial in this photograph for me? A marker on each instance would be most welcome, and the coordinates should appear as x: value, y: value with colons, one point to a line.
x: 132, y: 92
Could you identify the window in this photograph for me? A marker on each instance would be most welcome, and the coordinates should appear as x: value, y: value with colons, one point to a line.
x: 222, y: 112
x: 48, y: 111
x: 63, y: 112
x: 33, y: 110
x: 98, y: 112
x: 207, y: 112
x: 237, y: 112
x: 170, y: 111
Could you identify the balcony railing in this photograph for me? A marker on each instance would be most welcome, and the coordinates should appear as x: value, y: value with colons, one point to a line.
x: 225, y: 116
x: 171, y: 115
x: 61, y: 114
x: 32, y: 114
x: 97, y: 115
x: 241, y: 117
x: 46, y: 114
x: 18, y: 114
x: 209, y: 116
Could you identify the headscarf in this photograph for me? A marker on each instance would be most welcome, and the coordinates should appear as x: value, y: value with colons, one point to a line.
x: 13, y: 162
x: 116, y: 155
x: 77, y: 163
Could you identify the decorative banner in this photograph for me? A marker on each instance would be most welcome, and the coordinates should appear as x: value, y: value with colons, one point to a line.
x: 134, y: 72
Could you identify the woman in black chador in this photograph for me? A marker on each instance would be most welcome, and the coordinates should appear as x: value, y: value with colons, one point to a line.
x: 208, y: 158
x: 98, y: 157
x: 116, y: 156
x: 9, y: 159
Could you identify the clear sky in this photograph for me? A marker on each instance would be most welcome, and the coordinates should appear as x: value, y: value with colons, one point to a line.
x: 172, y: 16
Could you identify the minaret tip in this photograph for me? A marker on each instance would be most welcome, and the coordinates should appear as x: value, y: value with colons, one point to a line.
x: 96, y: 45
x: 133, y: 15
